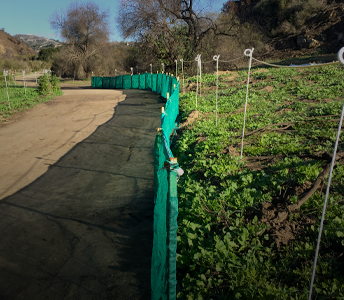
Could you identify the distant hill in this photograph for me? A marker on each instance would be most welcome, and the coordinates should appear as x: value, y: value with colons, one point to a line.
x: 36, y: 42
x: 10, y: 46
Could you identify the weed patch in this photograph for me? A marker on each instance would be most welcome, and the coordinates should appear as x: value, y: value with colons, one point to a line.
x: 248, y: 227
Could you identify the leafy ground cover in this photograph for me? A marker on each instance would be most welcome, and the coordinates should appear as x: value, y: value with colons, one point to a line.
x: 48, y: 89
x: 248, y: 227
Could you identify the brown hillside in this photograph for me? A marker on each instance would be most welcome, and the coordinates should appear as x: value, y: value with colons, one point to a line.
x: 10, y: 46
x: 324, y: 32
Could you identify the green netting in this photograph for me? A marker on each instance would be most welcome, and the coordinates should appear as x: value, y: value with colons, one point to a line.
x: 168, y: 120
x: 126, y: 81
x: 106, y: 82
x: 164, y: 88
x: 164, y: 252
x: 112, y: 83
x: 98, y: 82
x: 135, y: 81
x: 159, y: 84
x: 149, y: 81
x: 92, y: 81
x: 159, y: 267
x: 119, y: 82
x: 154, y: 82
x: 142, y: 84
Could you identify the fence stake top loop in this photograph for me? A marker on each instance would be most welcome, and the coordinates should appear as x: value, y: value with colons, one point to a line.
x: 198, y: 58
x: 181, y: 60
x: 340, y: 56
x: 216, y: 57
x: 248, y: 52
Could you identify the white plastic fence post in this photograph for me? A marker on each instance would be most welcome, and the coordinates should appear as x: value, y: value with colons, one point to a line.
x: 115, y: 72
x: 8, y: 97
x: 200, y: 76
x: 163, y: 67
x: 24, y: 83
x: 216, y: 58
x: 132, y: 70
x: 198, y: 57
x: 341, y: 60
x: 176, y: 61
x: 247, y: 53
x: 151, y: 67
x: 182, y: 72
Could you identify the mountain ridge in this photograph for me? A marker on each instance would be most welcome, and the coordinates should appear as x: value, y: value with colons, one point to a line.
x: 36, y: 42
x: 11, y: 46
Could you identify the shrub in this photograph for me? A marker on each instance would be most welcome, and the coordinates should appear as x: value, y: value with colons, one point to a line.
x: 55, y: 84
x: 44, y: 85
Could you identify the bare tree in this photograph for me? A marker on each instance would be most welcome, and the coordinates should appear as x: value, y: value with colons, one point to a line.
x: 170, y: 26
x: 85, y: 28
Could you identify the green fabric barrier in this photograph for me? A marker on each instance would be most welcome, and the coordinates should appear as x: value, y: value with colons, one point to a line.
x: 164, y: 252
x: 142, y: 84
x: 112, y: 83
x: 149, y: 81
x: 98, y: 82
x: 164, y: 88
x: 106, y: 82
x: 168, y: 120
x: 119, y: 82
x: 159, y: 83
x: 127, y: 81
x: 159, y: 267
x: 92, y: 82
x: 135, y: 81
x: 154, y: 82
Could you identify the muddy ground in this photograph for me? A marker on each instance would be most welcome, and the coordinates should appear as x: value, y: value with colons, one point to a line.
x: 76, y: 208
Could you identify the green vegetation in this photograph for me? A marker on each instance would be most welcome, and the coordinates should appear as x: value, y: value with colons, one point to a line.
x: 48, y: 89
x: 240, y: 237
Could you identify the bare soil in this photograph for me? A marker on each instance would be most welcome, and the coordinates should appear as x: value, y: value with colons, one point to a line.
x: 76, y: 208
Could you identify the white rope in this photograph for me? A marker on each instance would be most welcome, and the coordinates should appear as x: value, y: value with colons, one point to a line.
x: 310, y: 65
x: 248, y: 53
x: 340, y: 58
x: 216, y: 58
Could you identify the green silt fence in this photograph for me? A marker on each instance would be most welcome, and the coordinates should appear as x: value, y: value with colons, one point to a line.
x: 112, y: 83
x: 106, y: 82
x: 142, y: 84
x: 164, y: 252
x: 98, y: 82
x: 127, y: 81
x: 119, y: 82
x: 135, y: 81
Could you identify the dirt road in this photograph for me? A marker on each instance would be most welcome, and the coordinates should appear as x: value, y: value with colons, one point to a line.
x: 77, y: 196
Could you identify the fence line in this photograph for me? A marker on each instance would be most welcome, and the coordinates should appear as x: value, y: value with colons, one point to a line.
x: 165, y: 162
x: 310, y: 65
x: 166, y: 175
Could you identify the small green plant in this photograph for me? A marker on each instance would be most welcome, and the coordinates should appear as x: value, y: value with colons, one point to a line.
x: 55, y: 84
x: 44, y: 85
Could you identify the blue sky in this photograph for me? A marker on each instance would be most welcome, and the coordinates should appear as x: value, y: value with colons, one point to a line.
x: 32, y: 16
